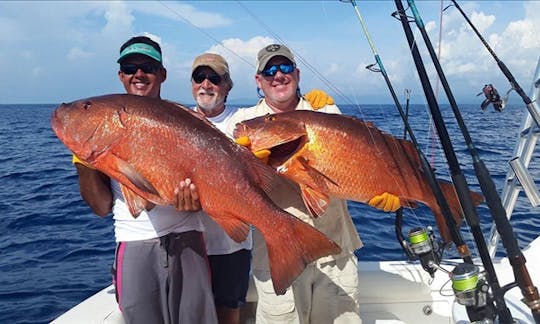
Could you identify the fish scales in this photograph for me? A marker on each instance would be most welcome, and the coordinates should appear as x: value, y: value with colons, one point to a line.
x: 341, y: 156
x: 150, y: 145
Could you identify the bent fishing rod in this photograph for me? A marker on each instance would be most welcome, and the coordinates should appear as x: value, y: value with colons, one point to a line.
x: 498, y: 213
x: 458, y: 178
x: 515, y: 85
x: 461, y: 246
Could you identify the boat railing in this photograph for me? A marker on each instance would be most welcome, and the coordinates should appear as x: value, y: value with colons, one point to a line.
x: 518, y: 177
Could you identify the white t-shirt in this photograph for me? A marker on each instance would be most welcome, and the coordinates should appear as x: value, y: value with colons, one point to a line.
x: 216, y: 239
x: 159, y: 221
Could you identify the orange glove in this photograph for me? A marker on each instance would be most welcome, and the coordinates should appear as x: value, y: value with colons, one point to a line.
x: 76, y: 159
x: 386, y: 202
x: 260, y: 154
x: 318, y: 99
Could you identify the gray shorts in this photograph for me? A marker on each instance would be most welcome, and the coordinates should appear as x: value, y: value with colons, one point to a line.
x: 165, y: 280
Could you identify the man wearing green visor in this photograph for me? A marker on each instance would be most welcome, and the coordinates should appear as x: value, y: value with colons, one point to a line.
x: 160, y: 272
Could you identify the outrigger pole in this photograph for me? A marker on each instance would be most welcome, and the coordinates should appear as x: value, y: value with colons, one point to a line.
x: 458, y: 178
x: 515, y: 256
x: 450, y: 221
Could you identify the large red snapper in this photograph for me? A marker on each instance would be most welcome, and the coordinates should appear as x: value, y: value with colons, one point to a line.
x: 336, y: 155
x: 150, y: 145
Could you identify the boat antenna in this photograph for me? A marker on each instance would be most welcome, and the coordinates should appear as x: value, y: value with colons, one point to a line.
x: 458, y: 178
x: 517, y: 260
x: 450, y: 221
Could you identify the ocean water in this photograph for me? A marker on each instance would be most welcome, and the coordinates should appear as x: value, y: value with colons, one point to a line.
x: 55, y: 252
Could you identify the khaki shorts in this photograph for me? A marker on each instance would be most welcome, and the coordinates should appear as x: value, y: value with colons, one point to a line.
x: 323, y: 293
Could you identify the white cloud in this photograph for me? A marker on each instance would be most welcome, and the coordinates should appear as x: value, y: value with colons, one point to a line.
x: 242, y: 58
x: 37, y: 72
x: 77, y: 53
x: 334, y: 67
x: 119, y: 19
x: 181, y: 12
x: 52, y: 39
x: 481, y: 21
x: 239, y: 52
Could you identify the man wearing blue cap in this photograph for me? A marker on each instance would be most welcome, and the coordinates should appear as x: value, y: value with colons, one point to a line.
x: 161, y: 272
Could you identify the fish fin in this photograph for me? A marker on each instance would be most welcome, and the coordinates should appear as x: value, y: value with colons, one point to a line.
x: 236, y: 229
x: 408, y: 203
x: 135, y: 177
x: 452, y: 199
x: 289, y: 251
x: 135, y: 202
x: 315, y: 201
x: 265, y: 174
x: 314, y: 173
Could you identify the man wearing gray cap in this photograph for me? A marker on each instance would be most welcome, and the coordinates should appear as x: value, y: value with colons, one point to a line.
x: 327, y: 290
x: 160, y: 270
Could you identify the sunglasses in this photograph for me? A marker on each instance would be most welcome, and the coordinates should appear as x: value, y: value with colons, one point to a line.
x: 212, y: 77
x: 273, y: 69
x: 148, y: 67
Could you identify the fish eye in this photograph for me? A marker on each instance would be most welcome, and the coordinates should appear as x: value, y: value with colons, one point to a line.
x: 271, y: 118
x: 87, y: 105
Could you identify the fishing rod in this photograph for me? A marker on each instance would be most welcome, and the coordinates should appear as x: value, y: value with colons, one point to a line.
x: 459, y: 181
x: 498, y: 213
x: 407, y: 97
x: 515, y: 85
x: 450, y: 221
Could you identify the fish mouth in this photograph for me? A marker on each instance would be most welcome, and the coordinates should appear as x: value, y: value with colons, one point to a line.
x: 282, y: 152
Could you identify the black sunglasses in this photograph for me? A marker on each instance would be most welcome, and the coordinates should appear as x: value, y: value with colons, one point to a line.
x: 212, y: 77
x: 273, y: 69
x: 148, y: 67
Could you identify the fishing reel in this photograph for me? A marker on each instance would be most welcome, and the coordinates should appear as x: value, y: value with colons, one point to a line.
x: 420, y: 246
x: 423, y: 247
x: 469, y: 285
x: 471, y: 288
x: 493, y: 98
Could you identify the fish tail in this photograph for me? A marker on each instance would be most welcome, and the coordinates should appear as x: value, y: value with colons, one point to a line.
x: 289, y: 251
x: 452, y: 199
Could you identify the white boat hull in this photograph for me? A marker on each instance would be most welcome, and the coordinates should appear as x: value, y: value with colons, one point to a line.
x: 390, y: 292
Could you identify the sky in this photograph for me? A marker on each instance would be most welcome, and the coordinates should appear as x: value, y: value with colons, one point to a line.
x: 55, y: 52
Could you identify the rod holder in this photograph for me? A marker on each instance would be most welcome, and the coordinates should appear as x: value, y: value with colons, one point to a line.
x: 526, y: 181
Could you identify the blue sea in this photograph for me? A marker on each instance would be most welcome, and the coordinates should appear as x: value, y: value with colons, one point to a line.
x: 55, y: 252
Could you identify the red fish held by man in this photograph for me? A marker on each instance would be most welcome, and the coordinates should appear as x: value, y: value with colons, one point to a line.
x: 150, y: 145
x: 336, y: 155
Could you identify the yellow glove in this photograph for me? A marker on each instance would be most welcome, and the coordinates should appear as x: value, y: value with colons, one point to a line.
x: 76, y: 159
x: 260, y: 154
x: 318, y: 99
x: 386, y: 202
